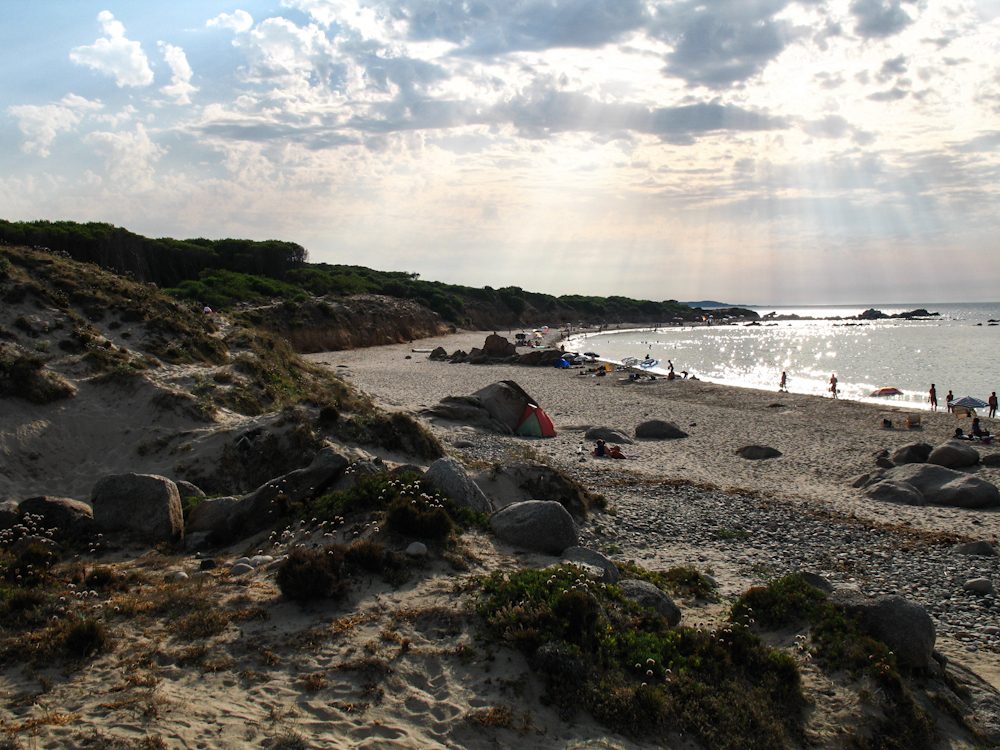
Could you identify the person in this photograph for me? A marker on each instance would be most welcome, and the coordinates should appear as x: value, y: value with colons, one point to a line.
x: 947, y: 401
x: 976, y: 429
x: 833, y: 385
x: 615, y: 452
x: 992, y: 401
x: 959, y: 435
x: 600, y: 449
x: 933, y: 398
x: 783, y: 385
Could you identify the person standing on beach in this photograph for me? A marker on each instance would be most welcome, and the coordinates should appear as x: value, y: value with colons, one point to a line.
x: 833, y: 385
x: 992, y: 401
x: 933, y: 398
x: 783, y: 385
x: 947, y: 401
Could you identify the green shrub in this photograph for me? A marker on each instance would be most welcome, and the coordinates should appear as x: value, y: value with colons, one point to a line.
x: 86, y: 638
x: 366, y: 554
x: 313, y: 574
x: 395, y: 432
x: 422, y: 517
x: 25, y: 377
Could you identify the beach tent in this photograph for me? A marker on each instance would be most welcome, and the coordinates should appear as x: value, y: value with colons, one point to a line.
x: 535, y: 423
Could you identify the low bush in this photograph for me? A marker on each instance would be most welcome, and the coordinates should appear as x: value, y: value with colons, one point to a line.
x: 313, y: 574
x: 23, y: 376
x: 86, y: 638
x: 395, y: 432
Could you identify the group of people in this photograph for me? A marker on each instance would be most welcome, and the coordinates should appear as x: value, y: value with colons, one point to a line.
x: 991, y: 402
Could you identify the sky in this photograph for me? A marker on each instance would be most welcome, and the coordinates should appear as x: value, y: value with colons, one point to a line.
x: 747, y: 151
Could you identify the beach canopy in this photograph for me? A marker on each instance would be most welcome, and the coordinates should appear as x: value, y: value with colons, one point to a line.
x: 969, y: 402
x: 887, y: 392
x: 535, y: 423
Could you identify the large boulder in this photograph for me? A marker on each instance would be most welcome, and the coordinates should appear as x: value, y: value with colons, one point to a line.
x: 143, y: 503
x: 659, y: 429
x: 451, y: 478
x: 211, y: 516
x: 652, y: 597
x: 497, y: 347
x: 68, y: 517
x: 498, y: 406
x: 608, y: 435
x: 187, y: 490
x: 900, y: 493
x: 537, y: 525
x: 991, y: 460
x: 266, y: 504
x: 526, y: 480
x: 594, y: 559
x: 975, y: 548
x: 902, y: 625
x: 941, y: 486
x: 954, y: 455
x: 913, y: 453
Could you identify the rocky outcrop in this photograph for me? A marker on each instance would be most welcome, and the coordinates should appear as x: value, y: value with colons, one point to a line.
x: 146, y: 504
x: 67, y: 517
x: 537, y: 525
x: 938, y: 485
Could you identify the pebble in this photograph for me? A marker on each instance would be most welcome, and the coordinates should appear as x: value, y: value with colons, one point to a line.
x: 979, y: 586
x: 241, y: 569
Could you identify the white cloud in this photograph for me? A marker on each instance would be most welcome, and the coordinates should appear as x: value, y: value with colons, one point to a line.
x: 114, y: 55
x: 129, y: 156
x: 41, y: 124
x: 239, y: 21
x: 180, y: 82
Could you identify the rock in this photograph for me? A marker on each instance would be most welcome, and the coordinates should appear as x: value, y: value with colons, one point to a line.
x: 609, y: 571
x: 884, y: 463
x: 363, y: 467
x: 451, y: 478
x: 992, y: 460
x: 537, y: 525
x: 180, y: 575
x: 816, y: 581
x: 867, y: 480
x: 195, y: 541
x: 241, y: 569
x: 652, y: 597
x: 659, y: 429
x: 66, y: 516
x: 608, y: 435
x: 407, y: 469
x: 913, y: 453
x: 261, y: 560
x: 438, y: 353
x: 549, y: 357
x: 417, y: 549
x: 979, y: 586
x: 497, y: 347
x: 954, y: 455
x: 757, y: 452
x: 186, y: 490
x: 527, y: 480
x: 208, y: 564
x: 942, y: 486
x: 974, y: 548
x: 902, y: 625
x: 144, y: 503
x: 900, y: 493
x: 210, y: 515
x: 530, y: 358
x: 262, y: 507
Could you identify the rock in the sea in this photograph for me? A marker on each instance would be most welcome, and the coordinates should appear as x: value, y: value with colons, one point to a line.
x: 979, y: 586
x: 537, y: 525
x: 659, y: 429
x: 608, y: 435
x: 451, y: 478
x: 904, y: 626
x: 593, y: 558
x: 975, y: 548
x: 758, y: 452
x: 900, y: 493
x: 954, y: 455
x: 913, y: 453
x: 69, y: 517
x: 144, y: 503
x: 652, y: 597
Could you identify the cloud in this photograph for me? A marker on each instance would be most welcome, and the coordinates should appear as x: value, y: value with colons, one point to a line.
x: 722, y: 43
x: 278, y: 48
x: 41, y: 124
x: 893, y: 67
x: 180, y: 86
x: 879, y: 18
x: 129, y: 156
x: 893, y: 94
x: 114, y: 55
x: 239, y: 21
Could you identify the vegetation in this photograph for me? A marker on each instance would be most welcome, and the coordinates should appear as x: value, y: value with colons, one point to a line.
x: 313, y: 574
x: 25, y: 376
x: 637, y: 674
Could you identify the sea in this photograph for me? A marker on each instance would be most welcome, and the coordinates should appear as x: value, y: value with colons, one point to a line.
x: 958, y: 350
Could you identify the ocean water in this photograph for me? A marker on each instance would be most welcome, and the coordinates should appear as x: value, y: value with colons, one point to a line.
x: 957, y: 351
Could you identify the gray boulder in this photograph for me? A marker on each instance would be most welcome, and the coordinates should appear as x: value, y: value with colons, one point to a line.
x: 659, y: 429
x: 451, y: 478
x: 992, y: 460
x: 594, y: 559
x: 438, y: 353
x: 900, y: 493
x: 187, y: 490
x: 68, y: 517
x: 975, y: 548
x: 954, y: 455
x: 979, y: 586
x: 537, y: 525
x: 608, y: 435
x: 262, y: 507
x: 143, y: 503
x: 913, y: 453
x: 902, y: 625
x: 210, y: 515
x: 652, y: 597
x: 757, y: 452
x: 968, y: 492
